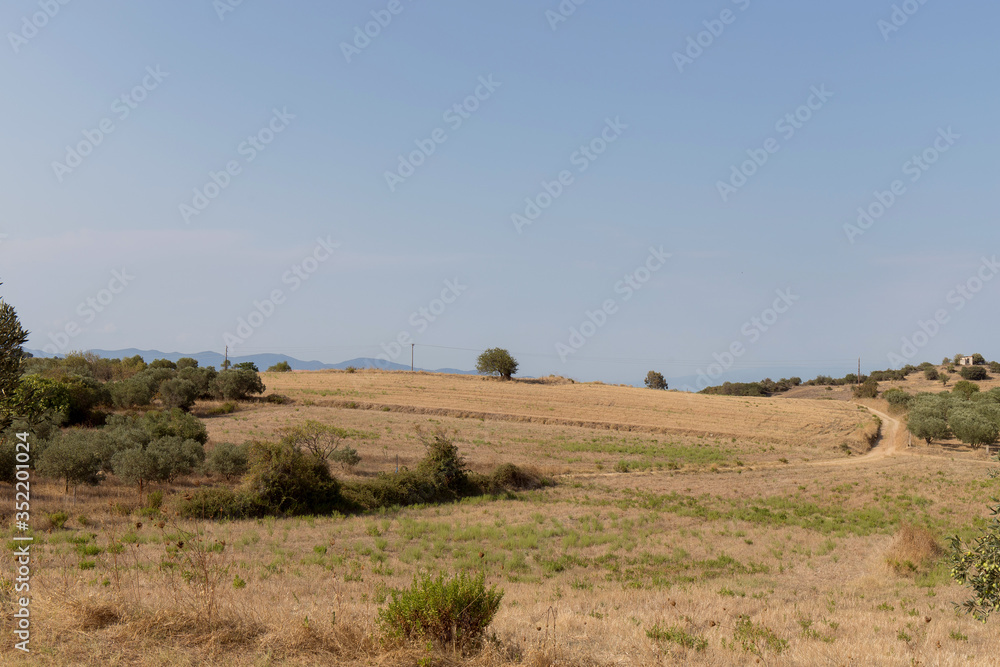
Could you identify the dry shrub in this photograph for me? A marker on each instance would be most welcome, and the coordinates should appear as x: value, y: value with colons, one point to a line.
x: 94, y: 614
x: 913, y: 549
x: 345, y: 641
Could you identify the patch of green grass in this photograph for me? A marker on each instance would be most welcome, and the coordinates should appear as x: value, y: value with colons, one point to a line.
x: 677, y: 635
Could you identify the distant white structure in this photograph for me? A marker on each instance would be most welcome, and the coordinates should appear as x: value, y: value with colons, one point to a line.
x: 965, y: 361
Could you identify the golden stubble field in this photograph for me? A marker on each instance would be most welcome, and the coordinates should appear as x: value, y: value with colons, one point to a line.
x: 682, y: 530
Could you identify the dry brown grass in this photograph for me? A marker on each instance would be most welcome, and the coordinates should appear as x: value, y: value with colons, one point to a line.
x: 913, y: 549
x: 588, y: 566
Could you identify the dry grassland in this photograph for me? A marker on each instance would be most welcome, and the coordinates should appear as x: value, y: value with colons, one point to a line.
x: 742, y: 531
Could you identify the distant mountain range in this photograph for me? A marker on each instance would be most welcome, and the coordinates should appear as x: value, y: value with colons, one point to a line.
x: 262, y: 361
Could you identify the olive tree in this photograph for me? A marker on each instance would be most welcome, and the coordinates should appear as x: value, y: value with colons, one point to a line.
x: 136, y: 466
x: 73, y: 457
x: 928, y: 418
x: 176, y: 456
x: 973, y: 426
x: 179, y: 393
x: 497, y: 361
x: 238, y: 384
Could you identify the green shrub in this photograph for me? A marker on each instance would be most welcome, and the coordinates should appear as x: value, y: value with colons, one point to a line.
x: 977, y: 373
x: 346, y: 456
x: 453, y: 611
x: 677, y: 635
x: 965, y: 388
x: 280, y: 367
x: 58, y: 520
x: 869, y: 389
x: 227, y: 408
x: 931, y: 374
x: 227, y: 459
x: 154, y: 500
x: 442, y: 463
x: 221, y: 503
x: 406, y: 487
x: 286, y: 480
x: 897, y: 397
x: 977, y: 565
x: 175, y: 422
x: 757, y: 638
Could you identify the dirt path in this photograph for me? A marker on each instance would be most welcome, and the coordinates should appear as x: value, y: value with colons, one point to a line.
x: 887, y: 445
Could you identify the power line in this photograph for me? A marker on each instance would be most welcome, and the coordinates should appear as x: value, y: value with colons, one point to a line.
x: 738, y: 364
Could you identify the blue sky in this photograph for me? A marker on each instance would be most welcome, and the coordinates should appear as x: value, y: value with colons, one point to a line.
x: 640, y: 136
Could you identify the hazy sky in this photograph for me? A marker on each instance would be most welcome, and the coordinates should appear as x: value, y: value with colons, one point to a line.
x: 470, y: 175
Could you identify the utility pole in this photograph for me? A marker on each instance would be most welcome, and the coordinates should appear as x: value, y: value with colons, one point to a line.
x: 225, y: 365
x: 859, y: 370
x: 411, y: 356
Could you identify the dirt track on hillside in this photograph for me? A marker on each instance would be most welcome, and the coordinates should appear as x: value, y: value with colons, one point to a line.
x: 887, y: 445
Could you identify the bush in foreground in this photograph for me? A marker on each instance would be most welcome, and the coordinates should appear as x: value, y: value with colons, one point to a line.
x: 977, y: 565
x: 451, y: 612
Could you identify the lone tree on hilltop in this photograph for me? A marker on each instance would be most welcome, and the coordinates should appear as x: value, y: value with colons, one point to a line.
x: 497, y: 361
x: 654, y: 380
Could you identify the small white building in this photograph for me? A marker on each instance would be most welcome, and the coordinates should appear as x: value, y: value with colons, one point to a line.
x: 965, y: 361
